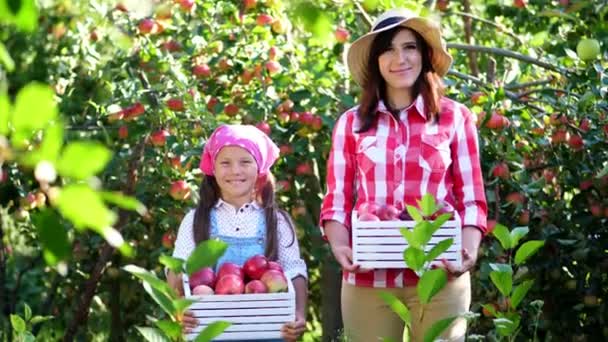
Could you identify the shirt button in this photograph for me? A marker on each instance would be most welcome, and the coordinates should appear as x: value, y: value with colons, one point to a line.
x: 237, y: 229
x: 242, y: 209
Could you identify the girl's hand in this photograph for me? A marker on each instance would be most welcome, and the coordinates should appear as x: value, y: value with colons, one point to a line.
x: 292, y: 330
x: 189, y: 322
x: 344, y: 256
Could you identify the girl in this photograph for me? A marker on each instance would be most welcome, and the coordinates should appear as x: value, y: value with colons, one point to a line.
x: 403, y: 140
x: 237, y: 205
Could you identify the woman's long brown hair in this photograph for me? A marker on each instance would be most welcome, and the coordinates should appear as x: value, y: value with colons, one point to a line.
x: 428, y: 84
x: 210, y: 194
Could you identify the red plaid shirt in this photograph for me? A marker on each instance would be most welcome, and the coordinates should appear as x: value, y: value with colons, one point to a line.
x: 398, y: 161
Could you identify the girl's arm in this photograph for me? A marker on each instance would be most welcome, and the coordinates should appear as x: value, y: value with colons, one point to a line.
x: 292, y: 330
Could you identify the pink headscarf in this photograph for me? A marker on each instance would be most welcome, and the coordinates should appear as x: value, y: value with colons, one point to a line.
x: 264, y: 151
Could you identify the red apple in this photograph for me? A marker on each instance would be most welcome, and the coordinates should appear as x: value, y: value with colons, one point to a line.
x: 134, y: 111
x: 286, y: 149
x: 202, y: 290
x: 211, y: 104
x: 368, y: 217
x: 515, y: 198
x: 146, y: 26
x: 388, y: 213
x: 368, y: 207
x: 497, y: 121
x: 306, y: 118
x: 586, y: 184
x: 168, y: 240
x: 273, y: 67
x: 201, y: 70
x: 264, y: 127
x: 180, y: 190
x: 231, y: 109
x: 159, y: 138
x: 273, y: 265
x: 501, y: 170
x: 585, y: 125
x: 256, y: 286
x: 249, y: 4
x: 520, y: 3
x: 576, y: 142
x: 442, y: 5
x: 342, y: 35
x: 560, y: 136
x: 186, y: 5
x: 303, y: 169
x: 275, y: 281
x: 123, y: 132
x: 171, y: 46
x: 204, y: 276
x: 230, y: 268
x: 175, y: 104
x: 317, y: 123
x: 272, y: 53
x: 255, y: 266
x: 264, y: 19
x: 476, y: 97
x: 229, y: 284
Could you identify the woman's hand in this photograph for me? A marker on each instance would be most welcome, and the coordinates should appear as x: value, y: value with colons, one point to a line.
x: 471, y: 237
x: 189, y: 322
x: 344, y: 256
x: 338, y: 237
x: 292, y: 330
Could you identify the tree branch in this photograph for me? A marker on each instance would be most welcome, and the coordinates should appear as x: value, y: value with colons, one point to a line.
x: 491, y: 23
x: 507, y: 53
x: 532, y: 91
x: 361, y: 10
x: 468, y: 37
x: 529, y: 84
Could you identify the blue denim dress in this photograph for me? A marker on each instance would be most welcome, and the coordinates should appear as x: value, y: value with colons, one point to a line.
x: 240, y: 249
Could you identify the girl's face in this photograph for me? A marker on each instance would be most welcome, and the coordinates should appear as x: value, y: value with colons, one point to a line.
x: 236, y: 173
x: 401, y: 64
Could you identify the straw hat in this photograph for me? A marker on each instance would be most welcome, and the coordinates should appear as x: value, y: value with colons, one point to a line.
x: 358, y: 53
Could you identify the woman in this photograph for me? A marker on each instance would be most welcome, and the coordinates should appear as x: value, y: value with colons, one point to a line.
x: 403, y: 140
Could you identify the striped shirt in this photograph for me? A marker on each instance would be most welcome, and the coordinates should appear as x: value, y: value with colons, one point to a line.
x: 397, y: 162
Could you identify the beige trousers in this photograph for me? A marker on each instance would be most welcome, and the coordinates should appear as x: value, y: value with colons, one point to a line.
x: 368, y: 319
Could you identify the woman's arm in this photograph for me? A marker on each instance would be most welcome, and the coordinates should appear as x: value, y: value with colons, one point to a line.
x: 292, y: 330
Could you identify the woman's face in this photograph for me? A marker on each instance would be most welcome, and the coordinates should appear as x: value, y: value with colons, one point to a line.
x: 401, y: 64
x: 236, y: 173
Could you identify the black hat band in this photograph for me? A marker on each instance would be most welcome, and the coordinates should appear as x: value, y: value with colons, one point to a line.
x: 387, y: 22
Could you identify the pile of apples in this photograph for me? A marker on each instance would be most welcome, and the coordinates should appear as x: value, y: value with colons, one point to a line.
x: 370, y: 211
x: 258, y: 275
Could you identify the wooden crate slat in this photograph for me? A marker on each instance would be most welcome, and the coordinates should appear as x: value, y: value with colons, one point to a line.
x: 396, y: 232
x: 399, y: 256
x: 394, y: 240
x: 242, y: 335
x: 241, y: 312
x: 392, y: 248
x: 250, y: 319
x: 242, y: 305
x: 247, y: 297
x: 251, y: 327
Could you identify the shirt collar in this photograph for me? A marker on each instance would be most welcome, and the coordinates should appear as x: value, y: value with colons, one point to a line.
x: 221, y: 202
x: 416, y: 107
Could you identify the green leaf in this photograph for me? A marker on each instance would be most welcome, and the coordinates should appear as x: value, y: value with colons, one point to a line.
x: 503, y: 281
x: 430, y: 283
x: 39, y: 319
x: 182, y: 304
x: 5, y: 58
x: 123, y: 201
x: 506, y: 326
x: 152, y: 334
x: 441, y: 220
x: 172, y: 329
x: 397, y: 306
x: 174, y: 264
x: 115, y: 239
x: 150, y: 278
x: 72, y: 202
x: 205, y: 255
x: 5, y: 114
x: 516, y: 234
x: 53, y: 236
x: 427, y: 205
x: 502, y: 234
x: 212, y: 331
x: 18, y: 324
x: 49, y: 147
x: 34, y: 108
x: 439, y: 248
x: 27, y: 312
x: 410, y: 238
x: 414, y: 213
x: 161, y: 298
x: 316, y: 21
x: 24, y: 16
x: 414, y: 258
x: 83, y: 159
x: 437, y: 328
x: 528, y: 249
x: 28, y: 337
x: 520, y: 292
x: 423, y: 231
x: 490, y: 308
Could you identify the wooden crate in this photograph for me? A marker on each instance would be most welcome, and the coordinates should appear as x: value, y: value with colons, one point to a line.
x: 253, y: 316
x: 379, y: 244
